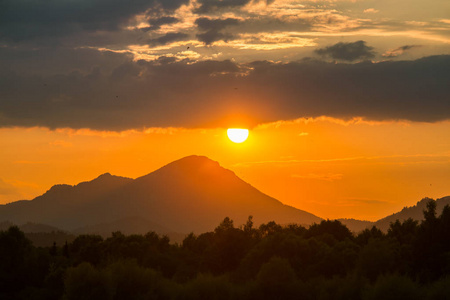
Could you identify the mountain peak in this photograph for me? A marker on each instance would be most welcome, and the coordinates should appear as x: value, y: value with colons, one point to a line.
x: 193, y: 164
x: 105, y: 175
x: 195, y: 160
x: 59, y: 188
x: 106, y: 178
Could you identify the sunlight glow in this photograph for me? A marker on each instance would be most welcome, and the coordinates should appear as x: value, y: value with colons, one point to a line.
x: 237, y: 135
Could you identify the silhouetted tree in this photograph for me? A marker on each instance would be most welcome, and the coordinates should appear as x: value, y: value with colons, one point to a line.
x: 276, y: 280
x: 86, y: 282
x: 367, y: 234
x: 87, y: 248
x: 376, y: 258
x: 324, y: 261
x: 53, y: 250
x: 334, y: 228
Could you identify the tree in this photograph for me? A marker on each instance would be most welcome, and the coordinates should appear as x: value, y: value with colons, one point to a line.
x: 276, y: 280
x: 367, y: 234
x: 20, y: 263
x: 88, y: 248
x: 376, y: 258
x: 335, y: 228
x: 86, y: 282
x: 393, y: 287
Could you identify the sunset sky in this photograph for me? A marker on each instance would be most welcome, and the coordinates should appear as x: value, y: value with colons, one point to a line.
x: 347, y: 102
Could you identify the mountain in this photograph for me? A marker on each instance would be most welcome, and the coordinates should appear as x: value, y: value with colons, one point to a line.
x: 29, y: 227
x: 193, y: 194
x: 356, y: 225
x: 64, y: 206
x: 130, y: 225
x: 415, y: 212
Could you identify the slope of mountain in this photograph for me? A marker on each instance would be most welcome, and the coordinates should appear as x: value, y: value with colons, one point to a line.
x: 190, y: 194
x: 63, y: 205
x: 415, y: 212
x: 29, y: 227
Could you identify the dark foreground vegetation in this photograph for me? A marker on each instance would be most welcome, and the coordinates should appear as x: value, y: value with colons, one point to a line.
x: 325, y: 261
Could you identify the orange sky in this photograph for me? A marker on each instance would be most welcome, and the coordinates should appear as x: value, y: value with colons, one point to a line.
x: 164, y: 80
x: 329, y: 167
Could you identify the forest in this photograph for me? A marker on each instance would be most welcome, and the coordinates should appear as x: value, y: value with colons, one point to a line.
x: 324, y: 261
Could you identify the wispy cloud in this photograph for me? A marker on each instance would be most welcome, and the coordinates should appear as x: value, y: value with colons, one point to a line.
x: 371, y: 11
x: 268, y: 41
x: 387, y: 159
x: 399, y: 51
x: 314, y: 176
x: 358, y: 201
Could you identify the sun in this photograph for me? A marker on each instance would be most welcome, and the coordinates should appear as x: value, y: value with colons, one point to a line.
x: 237, y: 135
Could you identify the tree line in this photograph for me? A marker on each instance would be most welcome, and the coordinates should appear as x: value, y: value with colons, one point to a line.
x: 324, y: 261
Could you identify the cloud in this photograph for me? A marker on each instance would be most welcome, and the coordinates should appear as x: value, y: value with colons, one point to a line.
x: 347, y: 51
x: 169, y: 38
x: 117, y: 93
x: 350, y: 201
x: 213, y: 29
x: 268, y: 41
x: 61, y: 143
x: 399, y: 51
x: 314, y: 176
x: 158, y: 22
x: 31, y: 19
x: 371, y: 11
x: 211, y: 5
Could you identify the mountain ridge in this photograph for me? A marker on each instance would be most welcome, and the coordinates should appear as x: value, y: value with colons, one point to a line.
x: 193, y: 193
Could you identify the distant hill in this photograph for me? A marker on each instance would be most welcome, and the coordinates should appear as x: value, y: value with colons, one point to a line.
x: 41, y: 235
x: 29, y: 227
x: 192, y: 194
x: 356, y: 225
x: 130, y: 225
x: 415, y: 212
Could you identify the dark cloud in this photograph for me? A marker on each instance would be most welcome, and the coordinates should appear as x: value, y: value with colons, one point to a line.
x: 158, y: 22
x: 169, y: 38
x: 348, y: 51
x: 213, y: 29
x: 202, y: 94
x: 211, y: 5
x: 399, y: 51
x: 29, y: 19
x: 49, y: 61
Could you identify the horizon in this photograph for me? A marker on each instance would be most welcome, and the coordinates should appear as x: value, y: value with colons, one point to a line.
x: 194, y: 155
x: 346, y: 102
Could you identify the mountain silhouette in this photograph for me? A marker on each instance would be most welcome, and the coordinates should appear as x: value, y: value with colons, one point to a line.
x: 193, y: 194
x: 414, y: 212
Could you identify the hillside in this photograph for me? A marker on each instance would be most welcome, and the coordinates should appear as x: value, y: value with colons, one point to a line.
x: 190, y: 194
x: 415, y: 212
